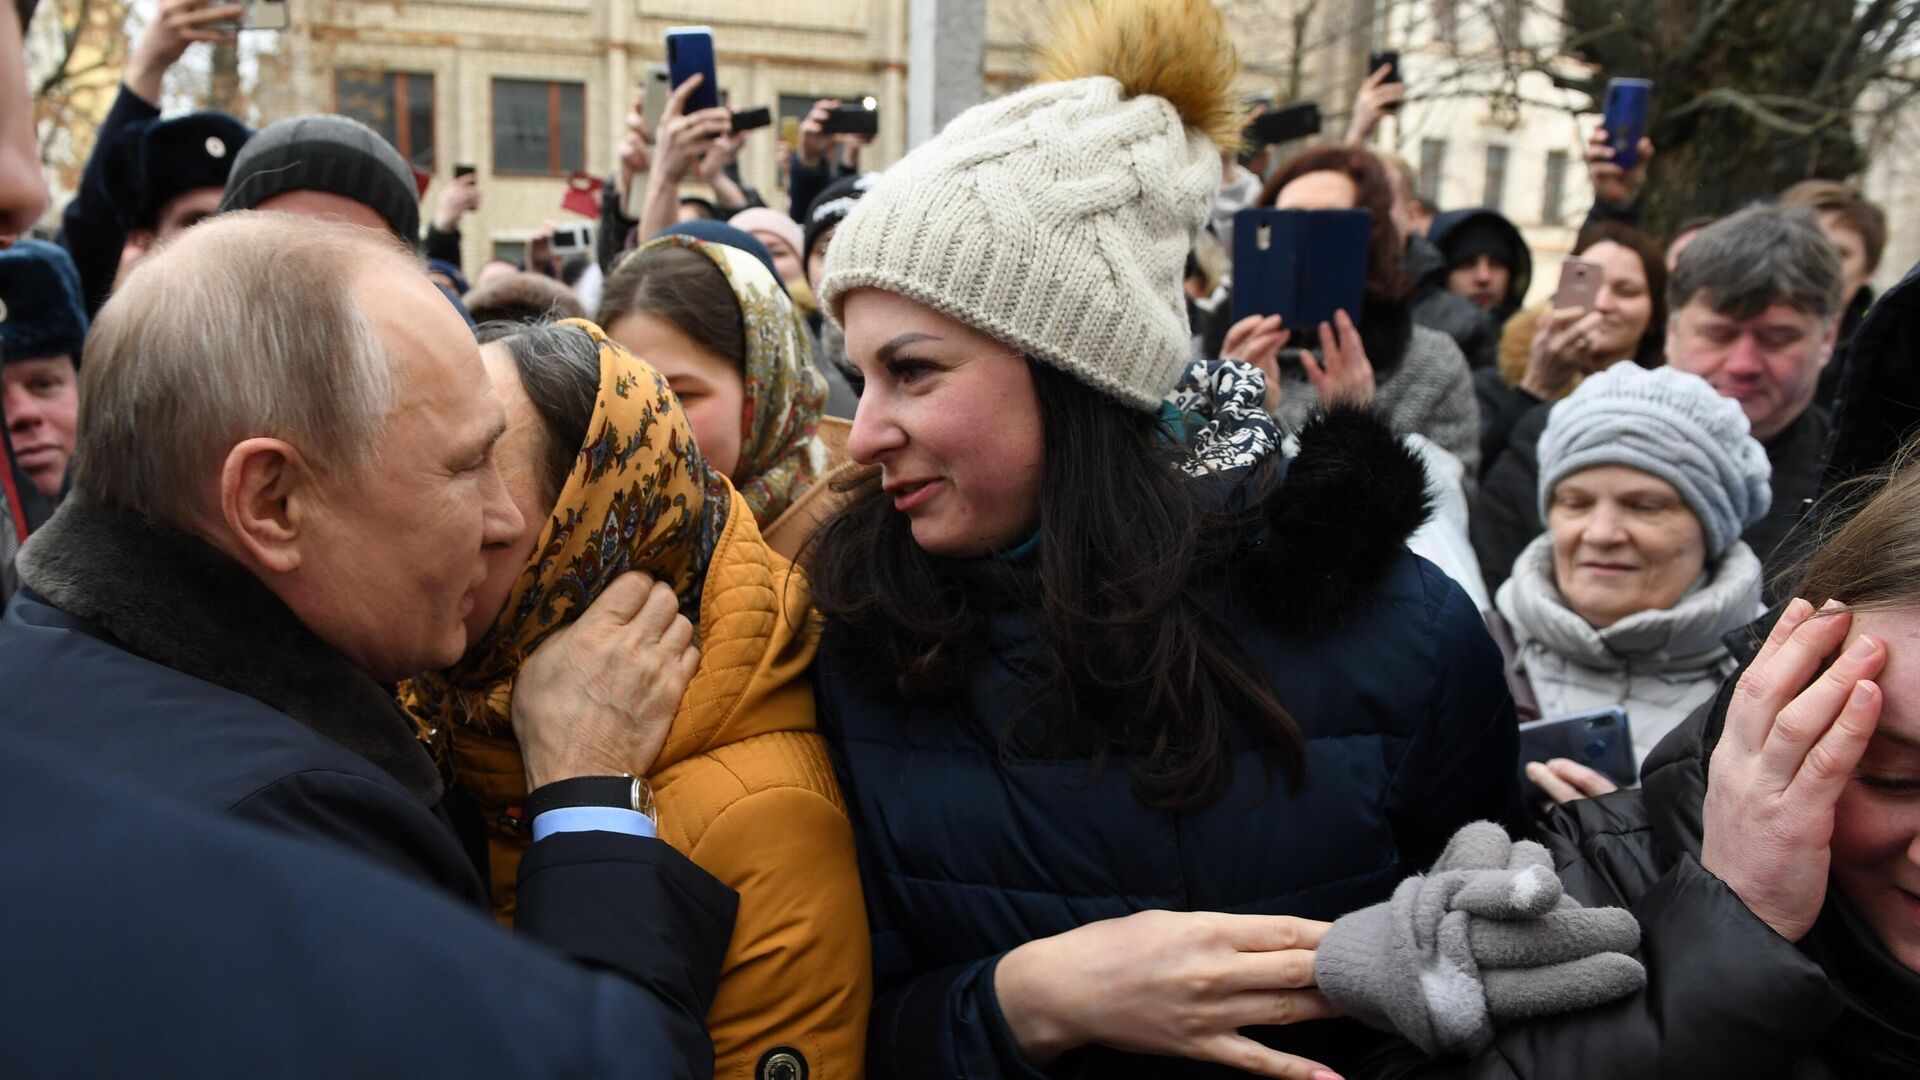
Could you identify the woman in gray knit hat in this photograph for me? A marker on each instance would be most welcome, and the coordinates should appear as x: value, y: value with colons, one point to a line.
x: 1098, y: 663
x: 1647, y: 479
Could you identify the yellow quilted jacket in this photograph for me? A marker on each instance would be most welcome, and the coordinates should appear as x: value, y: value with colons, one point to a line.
x: 745, y: 789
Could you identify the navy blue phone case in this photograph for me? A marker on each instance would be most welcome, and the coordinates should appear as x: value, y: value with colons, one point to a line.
x: 1601, y: 740
x: 1626, y: 118
x: 690, y: 53
x: 1302, y: 265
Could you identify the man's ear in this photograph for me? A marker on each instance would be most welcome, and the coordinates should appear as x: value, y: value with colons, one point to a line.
x: 1830, y: 341
x: 267, y: 497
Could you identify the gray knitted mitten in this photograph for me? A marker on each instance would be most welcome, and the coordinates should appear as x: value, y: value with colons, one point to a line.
x: 1486, y: 937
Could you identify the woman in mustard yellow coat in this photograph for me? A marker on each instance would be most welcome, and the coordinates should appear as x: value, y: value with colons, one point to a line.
x: 600, y: 458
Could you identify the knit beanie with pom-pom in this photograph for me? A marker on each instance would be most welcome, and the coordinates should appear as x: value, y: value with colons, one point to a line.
x: 1058, y: 219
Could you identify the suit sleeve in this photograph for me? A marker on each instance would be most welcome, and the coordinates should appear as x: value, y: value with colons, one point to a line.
x: 799, y: 972
x: 89, y: 227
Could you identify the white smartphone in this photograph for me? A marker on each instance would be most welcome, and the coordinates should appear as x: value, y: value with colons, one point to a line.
x: 266, y: 15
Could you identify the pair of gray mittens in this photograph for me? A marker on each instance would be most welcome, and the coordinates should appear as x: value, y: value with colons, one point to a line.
x: 1485, y: 938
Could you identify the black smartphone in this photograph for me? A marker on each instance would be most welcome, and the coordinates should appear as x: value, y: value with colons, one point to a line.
x: 461, y: 172
x: 852, y: 120
x: 1285, y: 124
x: 1302, y: 265
x: 1600, y: 740
x: 752, y: 119
x: 1389, y: 59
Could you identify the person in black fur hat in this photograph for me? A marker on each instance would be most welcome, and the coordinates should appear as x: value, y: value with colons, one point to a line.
x: 164, y: 176
x: 43, y: 327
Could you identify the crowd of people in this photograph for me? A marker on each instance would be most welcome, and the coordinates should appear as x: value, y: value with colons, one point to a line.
x: 927, y: 631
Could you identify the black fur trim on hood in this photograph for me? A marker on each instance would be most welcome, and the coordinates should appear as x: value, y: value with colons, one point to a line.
x: 1351, y: 497
x: 177, y: 601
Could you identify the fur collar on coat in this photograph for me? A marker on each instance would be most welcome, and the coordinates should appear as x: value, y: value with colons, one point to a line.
x: 174, y: 599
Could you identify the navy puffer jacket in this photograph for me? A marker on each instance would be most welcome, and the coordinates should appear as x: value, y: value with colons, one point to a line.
x: 969, y: 849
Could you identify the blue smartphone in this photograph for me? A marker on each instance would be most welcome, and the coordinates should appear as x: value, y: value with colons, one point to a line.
x: 1626, y: 118
x: 1302, y: 265
x: 690, y: 53
x: 1600, y: 740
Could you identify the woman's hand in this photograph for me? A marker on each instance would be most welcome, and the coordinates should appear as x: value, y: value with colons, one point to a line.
x: 719, y: 155
x: 1611, y: 183
x: 1178, y: 984
x: 685, y: 137
x: 1562, y: 349
x: 1567, y: 781
x: 634, y: 153
x: 1790, y: 744
x: 1257, y: 340
x: 1345, y: 376
x: 1376, y: 98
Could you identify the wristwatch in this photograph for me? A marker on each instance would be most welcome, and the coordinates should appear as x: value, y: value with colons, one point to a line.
x: 620, y: 792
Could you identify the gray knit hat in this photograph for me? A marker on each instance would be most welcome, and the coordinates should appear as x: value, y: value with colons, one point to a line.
x: 1058, y: 219
x: 327, y: 153
x: 1671, y: 425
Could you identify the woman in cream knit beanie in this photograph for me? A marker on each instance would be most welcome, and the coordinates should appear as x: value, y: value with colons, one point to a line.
x: 1086, y: 653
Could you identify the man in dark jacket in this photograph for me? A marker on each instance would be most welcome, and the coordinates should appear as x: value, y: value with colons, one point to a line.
x: 149, y: 178
x: 1439, y: 308
x: 155, y: 940
x: 219, y: 615
x: 1486, y: 260
x: 1754, y: 304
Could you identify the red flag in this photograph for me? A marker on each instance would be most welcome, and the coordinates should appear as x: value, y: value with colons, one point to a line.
x: 583, y: 195
x: 421, y: 178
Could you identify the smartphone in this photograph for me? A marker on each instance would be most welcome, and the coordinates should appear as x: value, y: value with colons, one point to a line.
x: 656, y: 88
x: 852, y: 120
x: 461, y: 172
x: 690, y: 53
x: 259, y: 15
x: 574, y: 239
x: 1302, y: 265
x: 752, y: 119
x: 1285, y: 124
x: 1600, y: 740
x: 1626, y: 118
x: 1390, y: 59
x: 1580, y: 281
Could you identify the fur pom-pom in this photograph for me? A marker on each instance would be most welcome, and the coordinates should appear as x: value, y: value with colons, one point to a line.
x: 1178, y: 50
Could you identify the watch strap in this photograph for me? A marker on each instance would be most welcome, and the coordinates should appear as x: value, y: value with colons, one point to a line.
x: 621, y: 792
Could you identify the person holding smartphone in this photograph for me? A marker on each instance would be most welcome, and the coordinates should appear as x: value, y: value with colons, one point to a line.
x: 1647, y: 479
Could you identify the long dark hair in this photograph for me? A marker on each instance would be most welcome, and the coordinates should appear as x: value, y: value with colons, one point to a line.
x: 1129, y: 549
x: 1652, y: 352
x: 685, y: 288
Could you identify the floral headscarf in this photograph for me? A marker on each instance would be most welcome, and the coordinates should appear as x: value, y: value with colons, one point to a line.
x: 640, y: 497
x: 780, y: 454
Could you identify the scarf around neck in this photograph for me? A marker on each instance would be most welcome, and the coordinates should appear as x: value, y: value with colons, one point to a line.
x: 640, y: 497
x: 781, y: 456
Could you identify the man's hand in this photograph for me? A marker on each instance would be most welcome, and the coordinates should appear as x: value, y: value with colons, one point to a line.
x: 597, y: 698
x: 686, y: 137
x: 1792, y: 739
x: 1376, y: 98
x: 814, y: 140
x: 460, y: 197
x: 1611, y: 183
x: 178, y: 24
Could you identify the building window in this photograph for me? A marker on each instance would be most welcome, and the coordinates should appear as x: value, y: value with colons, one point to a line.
x: 1496, y: 190
x: 1433, y: 160
x: 539, y: 127
x: 1555, y: 188
x: 398, y: 106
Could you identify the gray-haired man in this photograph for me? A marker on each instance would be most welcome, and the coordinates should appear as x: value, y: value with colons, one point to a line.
x: 1755, y: 304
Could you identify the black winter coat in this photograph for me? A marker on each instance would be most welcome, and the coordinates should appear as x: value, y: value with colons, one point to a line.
x: 151, y: 656
x: 146, y: 938
x: 1726, y: 996
x: 1506, y: 510
x: 970, y: 848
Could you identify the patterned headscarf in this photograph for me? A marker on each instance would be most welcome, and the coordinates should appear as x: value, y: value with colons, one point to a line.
x: 780, y: 456
x: 640, y: 497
